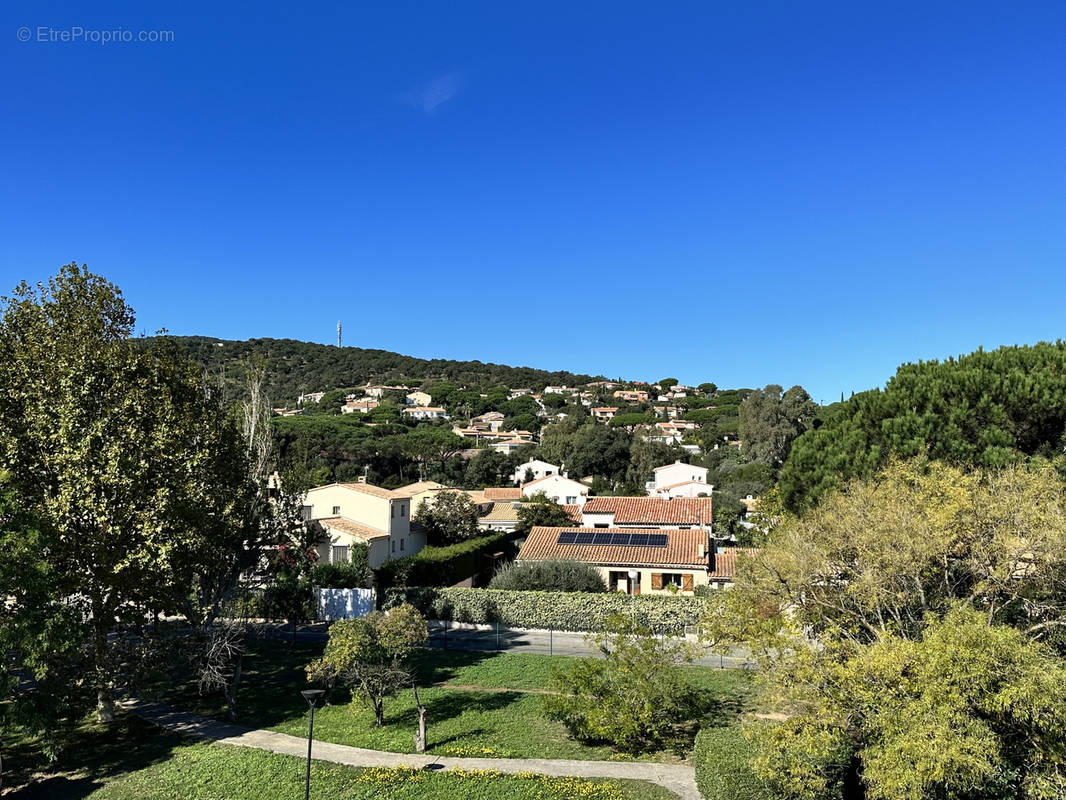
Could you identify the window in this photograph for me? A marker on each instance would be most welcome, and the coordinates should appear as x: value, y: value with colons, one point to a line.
x: 401, y: 545
x: 403, y: 510
x: 336, y: 511
x: 339, y: 553
x: 672, y: 579
x: 305, y: 513
x: 393, y: 511
x: 394, y: 545
x: 571, y: 500
x: 601, y: 525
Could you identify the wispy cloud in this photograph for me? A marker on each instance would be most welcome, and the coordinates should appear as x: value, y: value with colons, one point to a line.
x: 435, y: 93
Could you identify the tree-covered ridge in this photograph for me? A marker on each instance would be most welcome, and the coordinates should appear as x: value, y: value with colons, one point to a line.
x: 986, y: 409
x: 295, y: 367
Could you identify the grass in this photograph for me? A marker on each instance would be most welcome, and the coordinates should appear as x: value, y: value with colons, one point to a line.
x: 460, y: 722
x: 132, y: 760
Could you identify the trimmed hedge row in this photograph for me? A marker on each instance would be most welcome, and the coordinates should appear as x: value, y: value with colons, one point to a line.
x: 566, y: 611
x: 442, y: 566
x: 722, y: 759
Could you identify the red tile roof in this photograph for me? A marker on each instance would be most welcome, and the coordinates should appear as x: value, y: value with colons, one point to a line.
x: 682, y: 549
x: 725, y: 563
x: 358, y: 530
x: 502, y: 493
x: 367, y: 488
x: 652, y: 510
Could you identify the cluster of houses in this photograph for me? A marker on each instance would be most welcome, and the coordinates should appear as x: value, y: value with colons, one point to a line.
x: 660, y: 543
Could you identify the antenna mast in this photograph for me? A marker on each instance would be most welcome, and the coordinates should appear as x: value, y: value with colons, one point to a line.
x: 338, y: 333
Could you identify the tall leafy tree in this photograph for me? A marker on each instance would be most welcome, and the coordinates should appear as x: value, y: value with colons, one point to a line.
x: 771, y: 418
x: 123, y: 451
x: 987, y: 409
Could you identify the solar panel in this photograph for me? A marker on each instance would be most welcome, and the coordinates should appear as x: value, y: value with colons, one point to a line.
x: 612, y: 538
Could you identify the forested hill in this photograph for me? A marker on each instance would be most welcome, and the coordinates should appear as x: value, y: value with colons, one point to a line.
x: 295, y: 367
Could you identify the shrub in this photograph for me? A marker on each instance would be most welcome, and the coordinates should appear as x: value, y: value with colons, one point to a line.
x: 549, y: 576
x: 452, y: 517
x: 566, y: 611
x: 636, y: 697
x: 722, y: 758
x: 442, y: 566
x: 346, y: 575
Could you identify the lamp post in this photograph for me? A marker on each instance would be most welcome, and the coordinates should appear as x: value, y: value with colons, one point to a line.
x: 312, y: 696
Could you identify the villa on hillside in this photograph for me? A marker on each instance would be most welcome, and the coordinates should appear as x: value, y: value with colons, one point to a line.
x: 345, y: 514
x: 679, y: 480
x: 561, y: 489
x: 680, y: 513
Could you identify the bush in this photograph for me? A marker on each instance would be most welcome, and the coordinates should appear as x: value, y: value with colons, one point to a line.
x: 565, y: 611
x: 353, y: 575
x: 290, y: 599
x: 636, y: 697
x: 549, y: 576
x: 722, y: 758
x: 442, y: 566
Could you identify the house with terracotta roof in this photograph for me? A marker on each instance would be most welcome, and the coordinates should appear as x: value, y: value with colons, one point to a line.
x: 631, y: 395
x: 359, y: 406
x: 345, y: 514
x: 682, y: 513
x: 559, y: 488
x: 502, y: 515
x: 603, y: 413
x: 502, y: 494
x: 509, y: 446
x: 652, y: 561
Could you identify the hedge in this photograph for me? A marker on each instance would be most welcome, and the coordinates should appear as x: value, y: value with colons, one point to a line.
x: 442, y: 566
x: 565, y: 611
x: 722, y: 758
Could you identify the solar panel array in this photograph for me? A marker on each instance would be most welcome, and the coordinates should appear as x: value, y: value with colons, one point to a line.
x: 614, y: 538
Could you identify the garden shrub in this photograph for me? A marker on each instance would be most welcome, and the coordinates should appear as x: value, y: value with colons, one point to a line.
x: 355, y: 574
x: 442, y: 566
x: 549, y: 576
x: 636, y: 697
x: 565, y: 611
x: 722, y: 758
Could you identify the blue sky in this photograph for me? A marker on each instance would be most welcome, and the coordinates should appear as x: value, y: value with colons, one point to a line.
x: 745, y: 193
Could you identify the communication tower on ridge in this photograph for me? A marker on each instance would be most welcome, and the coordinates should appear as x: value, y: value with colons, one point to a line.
x: 338, y: 333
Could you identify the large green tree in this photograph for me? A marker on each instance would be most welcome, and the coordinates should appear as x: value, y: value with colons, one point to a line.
x: 906, y: 627
x: 987, y: 409
x: 771, y: 418
x: 125, y: 453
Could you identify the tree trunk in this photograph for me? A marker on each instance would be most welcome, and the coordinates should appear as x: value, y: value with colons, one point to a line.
x: 379, y: 712
x: 231, y: 690
x: 420, y: 734
x: 105, y: 700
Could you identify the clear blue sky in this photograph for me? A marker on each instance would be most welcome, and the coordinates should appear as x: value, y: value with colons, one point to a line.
x: 746, y: 193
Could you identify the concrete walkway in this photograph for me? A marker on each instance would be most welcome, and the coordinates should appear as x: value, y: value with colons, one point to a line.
x: 678, y: 779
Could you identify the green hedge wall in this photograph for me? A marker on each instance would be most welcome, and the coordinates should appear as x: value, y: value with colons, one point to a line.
x: 566, y: 611
x: 722, y: 758
x: 442, y: 566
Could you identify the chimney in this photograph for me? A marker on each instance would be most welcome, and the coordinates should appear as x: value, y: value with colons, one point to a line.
x: 362, y: 479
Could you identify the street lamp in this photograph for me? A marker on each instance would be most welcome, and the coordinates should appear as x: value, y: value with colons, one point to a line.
x: 634, y: 577
x: 312, y: 696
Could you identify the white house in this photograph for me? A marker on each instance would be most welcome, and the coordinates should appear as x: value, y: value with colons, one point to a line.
x: 536, y: 468
x: 419, y: 398
x: 679, y: 480
x: 425, y: 412
x: 310, y: 397
x: 603, y: 413
x: 359, y: 406
x: 509, y: 446
x: 559, y: 488
x: 359, y: 513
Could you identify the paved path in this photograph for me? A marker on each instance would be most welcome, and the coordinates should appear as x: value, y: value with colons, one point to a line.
x: 678, y: 779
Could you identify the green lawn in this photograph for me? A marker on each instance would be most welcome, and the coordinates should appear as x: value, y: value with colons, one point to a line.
x: 132, y: 760
x: 460, y: 722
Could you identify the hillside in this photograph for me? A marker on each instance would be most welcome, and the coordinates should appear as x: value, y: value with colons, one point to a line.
x: 295, y: 367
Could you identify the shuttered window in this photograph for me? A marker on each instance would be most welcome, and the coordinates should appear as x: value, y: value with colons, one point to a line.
x: 656, y: 580
x: 686, y: 582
